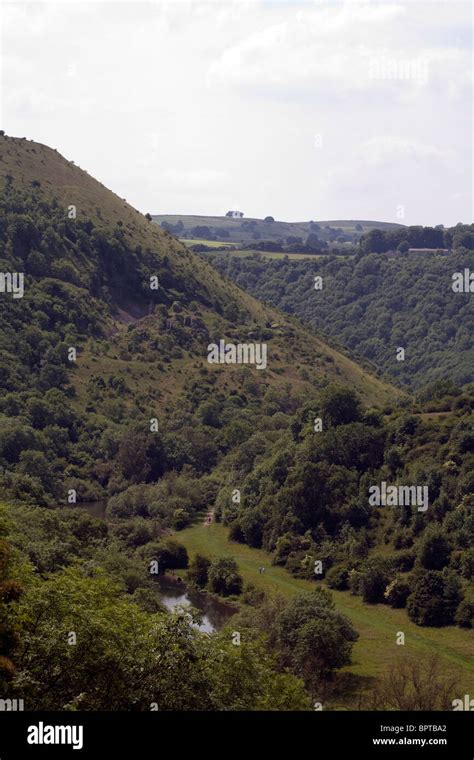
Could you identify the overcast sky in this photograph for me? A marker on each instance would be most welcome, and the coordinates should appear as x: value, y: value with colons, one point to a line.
x: 312, y: 110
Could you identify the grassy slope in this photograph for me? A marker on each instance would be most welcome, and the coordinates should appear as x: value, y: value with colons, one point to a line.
x: 289, y: 351
x: 377, y: 624
x: 269, y: 231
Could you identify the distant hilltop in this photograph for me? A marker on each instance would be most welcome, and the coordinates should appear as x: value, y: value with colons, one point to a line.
x: 233, y: 227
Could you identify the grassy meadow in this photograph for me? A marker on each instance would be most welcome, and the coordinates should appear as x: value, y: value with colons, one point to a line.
x: 377, y: 625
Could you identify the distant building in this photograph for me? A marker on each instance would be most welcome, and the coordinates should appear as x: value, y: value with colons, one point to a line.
x: 235, y: 214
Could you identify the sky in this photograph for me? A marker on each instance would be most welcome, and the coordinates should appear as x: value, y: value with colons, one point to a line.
x: 300, y: 110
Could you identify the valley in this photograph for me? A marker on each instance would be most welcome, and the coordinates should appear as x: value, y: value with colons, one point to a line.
x: 377, y: 625
x: 146, y: 380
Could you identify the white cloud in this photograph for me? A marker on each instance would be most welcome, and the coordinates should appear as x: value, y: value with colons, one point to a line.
x: 193, y: 179
x: 186, y: 106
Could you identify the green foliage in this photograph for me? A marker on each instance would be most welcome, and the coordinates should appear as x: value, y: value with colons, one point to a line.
x: 373, y: 303
x: 374, y: 576
x: 224, y: 577
x: 435, y: 550
x: 314, y: 638
x: 465, y: 614
x: 339, y: 406
x: 169, y: 554
x: 198, y: 573
x: 435, y: 598
x: 397, y: 592
x: 125, y: 658
x: 11, y: 590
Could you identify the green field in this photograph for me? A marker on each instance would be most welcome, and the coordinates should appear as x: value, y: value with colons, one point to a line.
x: 209, y: 243
x: 244, y: 253
x: 377, y: 624
x: 246, y: 230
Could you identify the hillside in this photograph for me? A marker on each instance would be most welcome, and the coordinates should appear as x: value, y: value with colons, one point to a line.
x: 128, y: 251
x: 107, y: 396
x: 373, y: 304
x: 246, y: 231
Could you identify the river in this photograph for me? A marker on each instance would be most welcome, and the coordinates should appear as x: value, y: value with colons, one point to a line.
x: 174, y: 594
x: 214, y: 613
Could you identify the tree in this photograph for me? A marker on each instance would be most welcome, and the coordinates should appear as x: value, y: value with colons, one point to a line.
x: 312, y: 241
x: 338, y: 578
x: 141, y: 455
x: 435, y: 598
x: 465, y: 614
x: 198, y: 573
x: 10, y: 592
x: 397, y: 593
x: 269, y: 219
x: 169, y: 554
x: 252, y: 523
x: 414, y: 683
x: 373, y: 580
x: 435, y: 549
x: 125, y: 658
x: 315, y: 639
x: 224, y: 577
x: 339, y: 406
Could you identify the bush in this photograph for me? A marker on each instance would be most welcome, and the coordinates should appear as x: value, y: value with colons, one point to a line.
x: 315, y: 639
x: 435, y: 549
x: 235, y: 533
x: 224, y: 577
x: 338, y: 578
x: 198, y: 573
x: 169, y: 554
x: 435, y: 598
x: 404, y: 561
x: 374, y: 578
x: 397, y: 593
x: 465, y: 614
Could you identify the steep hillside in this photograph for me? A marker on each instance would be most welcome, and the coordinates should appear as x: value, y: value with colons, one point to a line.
x: 375, y: 303
x: 110, y: 251
x: 107, y: 396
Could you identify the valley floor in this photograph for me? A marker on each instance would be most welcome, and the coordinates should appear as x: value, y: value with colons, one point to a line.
x: 378, y: 625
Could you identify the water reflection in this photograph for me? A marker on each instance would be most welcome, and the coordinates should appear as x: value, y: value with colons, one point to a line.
x: 214, y: 614
x: 173, y: 594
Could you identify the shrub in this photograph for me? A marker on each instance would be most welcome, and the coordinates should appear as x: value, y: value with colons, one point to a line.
x: 435, y: 549
x: 224, y: 577
x: 435, y: 598
x: 338, y: 578
x: 397, y: 593
x: 374, y: 578
x: 198, y: 573
x: 465, y: 614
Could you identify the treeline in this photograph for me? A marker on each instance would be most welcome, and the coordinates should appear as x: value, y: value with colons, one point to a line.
x: 403, y: 238
x: 373, y: 304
